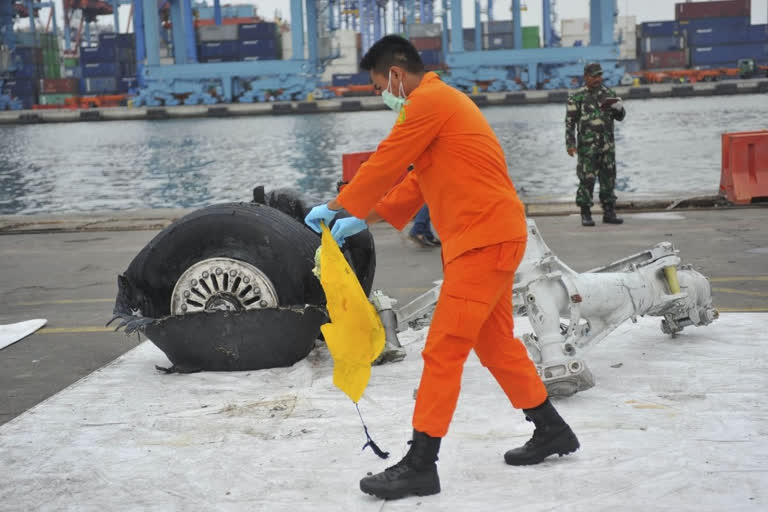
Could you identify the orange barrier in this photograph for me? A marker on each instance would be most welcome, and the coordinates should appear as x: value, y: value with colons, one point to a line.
x: 744, y: 171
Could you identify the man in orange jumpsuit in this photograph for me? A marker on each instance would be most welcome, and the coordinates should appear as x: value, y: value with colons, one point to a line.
x: 460, y: 172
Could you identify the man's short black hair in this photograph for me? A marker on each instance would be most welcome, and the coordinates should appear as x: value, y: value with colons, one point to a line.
x: 392, y: 51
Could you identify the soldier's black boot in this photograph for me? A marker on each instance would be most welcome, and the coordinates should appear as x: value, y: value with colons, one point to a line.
x: 609, y: 215
x: 586, y: 216
x: 551, y: 436
x: 416, y: 474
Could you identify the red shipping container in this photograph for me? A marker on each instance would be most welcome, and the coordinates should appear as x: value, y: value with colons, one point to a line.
x: 663, y: 60
x: 59, y: 86
x: 427, y: 43
x: 719, y: 9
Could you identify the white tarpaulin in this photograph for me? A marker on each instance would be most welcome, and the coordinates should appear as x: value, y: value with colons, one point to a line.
x: 672, y: 424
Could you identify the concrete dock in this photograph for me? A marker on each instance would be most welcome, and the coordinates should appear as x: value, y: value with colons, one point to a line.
x: 64, y: 268
x: 369, y: 103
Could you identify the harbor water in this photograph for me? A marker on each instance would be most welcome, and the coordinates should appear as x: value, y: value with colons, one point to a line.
x: 665, y: 148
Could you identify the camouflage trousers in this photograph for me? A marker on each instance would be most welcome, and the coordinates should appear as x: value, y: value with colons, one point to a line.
x: 596, y: 166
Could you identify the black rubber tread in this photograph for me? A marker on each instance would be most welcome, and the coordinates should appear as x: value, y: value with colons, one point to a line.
x: 270, y: 240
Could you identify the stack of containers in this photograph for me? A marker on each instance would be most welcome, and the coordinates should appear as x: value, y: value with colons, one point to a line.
x: 258, y: 41
x: 28, y: 61
x: 56, y: 91
x: 576, y: 32
x: 218, y: 43
x: 499, y: 35
x: 345, y: 41
x: 49, y: 45
x: 719, y: 33
x: 662, y: 45
x: 427, y: 39
x: 531, y: 37
x: 110, y: 67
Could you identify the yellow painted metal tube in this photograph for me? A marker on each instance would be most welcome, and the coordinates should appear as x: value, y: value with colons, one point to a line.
x: 671, y: 274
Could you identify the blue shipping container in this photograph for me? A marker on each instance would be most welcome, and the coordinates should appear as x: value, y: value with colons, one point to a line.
x: 719, y: 23
x: 711, y: 36
x: 99, y: 85
x: 27, y: 101
x: 728, y: 54
x: 95, y: 69
x: 90, y: 54
x: 27, y: 70
x: 344, y: 79
x: 431, y: 57
x: 127, y: 83
x: 113, y: 40
x: 261, y: 48
x: 231, y: 58
x: 253, y: 31
x: 659, y: 28
x: 20, y: 87
x: 219, y: 49
x: 661, y: 44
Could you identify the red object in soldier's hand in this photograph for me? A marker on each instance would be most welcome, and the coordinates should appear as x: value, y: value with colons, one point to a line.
x: 607, y: 102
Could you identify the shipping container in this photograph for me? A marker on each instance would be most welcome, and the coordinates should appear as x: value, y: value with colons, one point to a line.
x: 531, y: 37
x: 56, y: 99
x: 27, y: 101
x: 659, y: 28
x: 99, y: 85
x: 126, y: 84
x: 662, y: 44
x: 20, y: 87
x: 500, y: 41
x: 425, y: 30
x: 205, y: 12
x: 230, y: 58
x: 27, y: 39
x: 431, y: 57
x: 499, y: 27
x: 712, y: 36
x: 264, y: 48
x: 97, y: 69
x: 717, y: 9
x: 676, y: 59
x: 214, y: 33
x: 113, y: 40
x: 89, y: 54
x: 219, y: 49
x: 59, y: 86
x: 344, y: 79
x: 728, y: 53
x: 253, y: 31
x: 427, y: 43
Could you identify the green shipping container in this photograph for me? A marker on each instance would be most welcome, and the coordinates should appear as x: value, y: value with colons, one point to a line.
x: 54, y: 99
x: 531, y: 37
x: 71, y: 62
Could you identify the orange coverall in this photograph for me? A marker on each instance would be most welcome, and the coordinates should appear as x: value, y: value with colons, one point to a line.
x: 461, y: 173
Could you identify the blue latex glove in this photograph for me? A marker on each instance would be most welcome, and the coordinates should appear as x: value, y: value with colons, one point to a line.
x: 318, y: 214
x: 347, y: 227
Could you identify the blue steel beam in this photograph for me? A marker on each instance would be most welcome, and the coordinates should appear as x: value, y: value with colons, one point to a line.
x: 444, y: 32
x: 457, y: 31
x: 179, y: 39
x: 189, y: 30
x: 601, y: 21
x: 151, y: 32
x: 138, y: 29
x: 217, y: 12
x: 312, y: 35
x: 531, y: 56
x: 116, y: 9
x: 546, y: 23
x: 517, y: 25
x: 478, y: 27
x: 297, y: 29
x: 490, y: 10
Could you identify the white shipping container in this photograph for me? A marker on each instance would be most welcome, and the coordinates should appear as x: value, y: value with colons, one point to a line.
x: 217, y: 33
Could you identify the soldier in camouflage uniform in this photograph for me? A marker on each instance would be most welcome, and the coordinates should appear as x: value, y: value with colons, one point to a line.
x: 593, y: 109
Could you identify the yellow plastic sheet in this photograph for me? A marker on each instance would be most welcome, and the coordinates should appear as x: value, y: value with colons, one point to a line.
x: 355, y: 336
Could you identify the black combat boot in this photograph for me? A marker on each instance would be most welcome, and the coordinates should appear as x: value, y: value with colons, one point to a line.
x: 609, y: 215
x: 586, y: 216
x: 551, y: 436
x: 416, y: 474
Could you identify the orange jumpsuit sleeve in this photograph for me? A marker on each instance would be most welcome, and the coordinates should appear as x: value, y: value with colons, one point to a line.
x: 401, y: 203
x: 418, y: 124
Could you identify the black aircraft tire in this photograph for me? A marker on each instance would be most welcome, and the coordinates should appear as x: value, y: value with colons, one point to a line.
x: 264, y: 237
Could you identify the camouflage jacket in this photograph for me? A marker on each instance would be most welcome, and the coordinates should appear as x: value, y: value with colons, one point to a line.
x: 595, y: 124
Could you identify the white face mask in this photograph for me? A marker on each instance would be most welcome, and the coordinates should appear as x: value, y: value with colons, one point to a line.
x: 394, y: 102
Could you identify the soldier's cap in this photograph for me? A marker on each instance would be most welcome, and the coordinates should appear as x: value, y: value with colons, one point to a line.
x: 593, y: 69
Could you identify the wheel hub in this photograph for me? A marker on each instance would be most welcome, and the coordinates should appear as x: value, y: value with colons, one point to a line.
x: 222, y: 284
